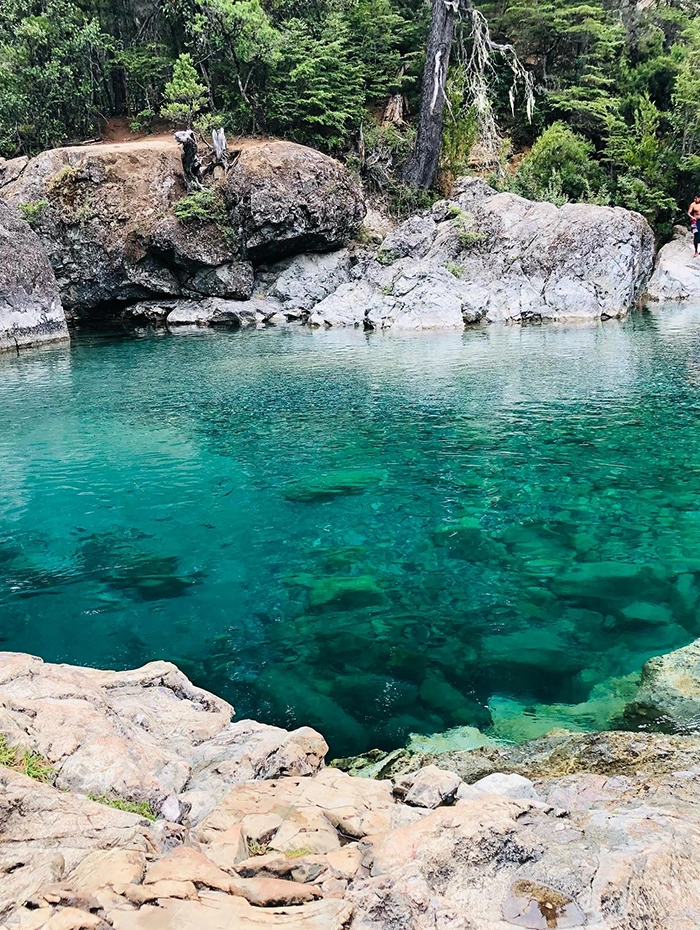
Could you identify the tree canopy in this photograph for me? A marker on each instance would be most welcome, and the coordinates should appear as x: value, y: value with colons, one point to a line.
x: 616, y: 82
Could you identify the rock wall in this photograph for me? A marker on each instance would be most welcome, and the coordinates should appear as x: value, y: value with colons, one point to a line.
x: 30, y: 306
x: 498, y: 258
x: 247, y: 830
x: 105, y: 216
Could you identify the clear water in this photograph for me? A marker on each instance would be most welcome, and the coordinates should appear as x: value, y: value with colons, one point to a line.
x: 374, y: 534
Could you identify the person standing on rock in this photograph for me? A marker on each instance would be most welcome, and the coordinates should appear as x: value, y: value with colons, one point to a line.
x: 694, y: 214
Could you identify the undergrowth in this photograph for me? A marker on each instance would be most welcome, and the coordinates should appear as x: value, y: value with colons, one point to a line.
x: 207, y: 206
x: 25, y: 761
x: 32, y: 210
x: 143, y: 808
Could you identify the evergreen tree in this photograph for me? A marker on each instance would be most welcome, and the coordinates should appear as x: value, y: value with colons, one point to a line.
x: 184, y: 96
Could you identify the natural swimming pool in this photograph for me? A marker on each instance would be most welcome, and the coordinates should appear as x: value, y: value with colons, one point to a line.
x: 372, y: 534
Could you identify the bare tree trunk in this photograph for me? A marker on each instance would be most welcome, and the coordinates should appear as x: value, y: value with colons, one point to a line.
x: 191, y: 165
x: 421, y: 168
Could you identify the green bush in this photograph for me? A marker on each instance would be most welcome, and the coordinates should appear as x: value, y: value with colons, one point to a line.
x: 207, y: 206
x: 32, y: 210
x: 560, y: 167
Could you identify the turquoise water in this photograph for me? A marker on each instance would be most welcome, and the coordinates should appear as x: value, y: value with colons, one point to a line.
x: 374, y: 534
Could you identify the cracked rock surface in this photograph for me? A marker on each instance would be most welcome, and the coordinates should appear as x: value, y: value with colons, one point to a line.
x: 30, y: 306
x: 604, y: 832
x: 497, y: 258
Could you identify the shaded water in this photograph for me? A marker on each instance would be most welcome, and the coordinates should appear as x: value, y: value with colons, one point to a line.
x: 374, y: 534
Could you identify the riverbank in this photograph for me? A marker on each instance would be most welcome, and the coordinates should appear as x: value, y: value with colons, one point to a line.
x: 148, y: 808
x: 281, y: 235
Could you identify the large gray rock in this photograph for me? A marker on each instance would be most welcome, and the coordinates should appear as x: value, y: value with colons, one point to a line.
x: 497, y: 257
x: 30, y: 306
x: 669, y: 691
x: 287, y: 198
x: 676, y: 272
x: 105, y: 216
x: 217, y: 312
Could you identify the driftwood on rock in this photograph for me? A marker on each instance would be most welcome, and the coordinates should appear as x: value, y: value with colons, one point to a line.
x: 218, y: 138
x: 191, y: 165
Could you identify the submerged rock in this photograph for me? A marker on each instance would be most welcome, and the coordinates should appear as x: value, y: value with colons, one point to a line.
x: 333, y: 484
x: 30, y: 306
x: 346, y: 593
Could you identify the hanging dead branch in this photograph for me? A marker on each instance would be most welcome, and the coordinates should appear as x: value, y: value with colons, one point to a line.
x: 479, y: 62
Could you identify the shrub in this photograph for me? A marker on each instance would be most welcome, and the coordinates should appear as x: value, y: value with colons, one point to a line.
x: 207, y: 206
x: 560, y: 167
x: 32, y: 211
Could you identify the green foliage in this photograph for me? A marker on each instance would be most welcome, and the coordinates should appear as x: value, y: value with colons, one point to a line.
x: 470, y: 239
x: 617, y: 87
x: 316, y: 91
x: 257, y: 849
x: 298, y: 853
x: 185, y: 97
x: 51, y: 56
x: 207, y: 206
x: 32, y: 210
x: 560, y: 167
x: 142, y: 808
x: 461, y: 128
x: 25, y: 761
x: 456, y: 270
x: 644, y: 166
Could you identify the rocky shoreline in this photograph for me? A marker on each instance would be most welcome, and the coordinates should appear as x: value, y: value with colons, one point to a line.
x: 130, y: 800
x: 283, y: 237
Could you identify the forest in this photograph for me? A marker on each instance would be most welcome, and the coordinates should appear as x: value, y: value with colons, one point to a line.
x: 560, y: 100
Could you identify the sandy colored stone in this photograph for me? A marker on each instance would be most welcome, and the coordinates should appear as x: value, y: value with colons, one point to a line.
x: 345, y: 862
x: 273, y: 865
x: 344, y: 802
x: 273, y: 892
x: 104, y: 867
x: 224, y: 912
x: 185, y: 864
x: 259, y: 828
x: 229, y: 848
x: 430, y: 787
x: 149, y: 729
x: 308, y: 829
x: 70, y: 918
x: 146, y: 894
x: 46, y: 833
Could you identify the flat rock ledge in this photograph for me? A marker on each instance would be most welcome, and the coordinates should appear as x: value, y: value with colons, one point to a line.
x: 252, y: 831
